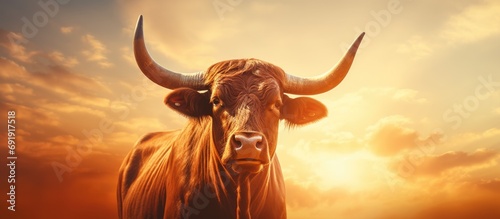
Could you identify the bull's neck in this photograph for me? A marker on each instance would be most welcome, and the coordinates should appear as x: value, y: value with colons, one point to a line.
x: 243, y: 200
x: 205, y: 166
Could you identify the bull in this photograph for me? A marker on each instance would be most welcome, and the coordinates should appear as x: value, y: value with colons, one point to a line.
x: 223, y: 164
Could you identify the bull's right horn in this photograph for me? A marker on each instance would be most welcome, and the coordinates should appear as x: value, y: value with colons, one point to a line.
x: 326, y: 81
x: 156, y: 73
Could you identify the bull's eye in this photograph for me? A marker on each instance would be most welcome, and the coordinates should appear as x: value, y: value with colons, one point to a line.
x: 278, y: 104
x: 276, y: 107
x: 216, y: 101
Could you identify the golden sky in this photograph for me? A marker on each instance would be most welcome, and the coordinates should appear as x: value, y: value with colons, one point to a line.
x: 413, y: 131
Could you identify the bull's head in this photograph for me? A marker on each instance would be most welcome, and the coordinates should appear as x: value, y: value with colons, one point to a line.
x: 246, y: 99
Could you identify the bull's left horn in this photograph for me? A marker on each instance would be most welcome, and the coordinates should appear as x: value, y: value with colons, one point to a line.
x: 325, y: 82
x: 156, y: 73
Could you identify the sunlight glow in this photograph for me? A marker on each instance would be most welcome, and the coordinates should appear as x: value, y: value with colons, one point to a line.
x: 350, y: 171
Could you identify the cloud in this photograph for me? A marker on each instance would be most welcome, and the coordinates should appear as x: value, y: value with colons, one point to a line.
x: 435, y: 165
x: 399, y: 95
x: 34, y: 118
x: 14, y: 44
x: 50, y: 145
x: 408, y: 95
x: 19, y: 52
x: 491, y: 185
x: 474, y: 23
x: 471, y: 138
x: 481, y: 208
x: 359, y: 108
x: 29, y: 119
x: 59, y: 58
x: 310, y: 196
x: 55, y: 79
x: 13, y: 91
x: 128, y: 55
x: 62, y: 80
x: 72, y: 108
x: 341, y: 141
x: 198, y: 31
x: 417, y: 47
x: 391, y: 135
x: 465, y: 203
x: 477, y: 21
x: 91, y: 100
x: 141, y: 123
x: 51, y: 96
x: 96, y: 51
x: 38, y: 188
x: 11, y: 70
x: 67, y: 29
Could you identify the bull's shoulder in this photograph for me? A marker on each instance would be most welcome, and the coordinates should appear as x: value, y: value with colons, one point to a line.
x: 142, y: 151
x: 136, y: 162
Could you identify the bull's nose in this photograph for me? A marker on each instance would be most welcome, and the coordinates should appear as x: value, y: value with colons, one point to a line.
x: 247, y: 145
x: 249, y: 152
x: 248, y: 140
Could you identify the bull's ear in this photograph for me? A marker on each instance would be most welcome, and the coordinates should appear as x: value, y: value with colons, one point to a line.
x: 189, y: 102
x: 302, y: 110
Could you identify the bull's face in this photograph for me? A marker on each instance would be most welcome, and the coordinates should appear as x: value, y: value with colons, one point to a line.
x: 245, y: 99
x: 246, y: 103
x: 245, y: 114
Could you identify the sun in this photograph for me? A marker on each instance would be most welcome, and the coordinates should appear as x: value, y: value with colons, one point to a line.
x: 350, y: 171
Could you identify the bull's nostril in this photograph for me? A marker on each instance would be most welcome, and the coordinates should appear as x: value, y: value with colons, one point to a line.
x: 237, y: 143
x: 248, y: 141
x: 258, y: 145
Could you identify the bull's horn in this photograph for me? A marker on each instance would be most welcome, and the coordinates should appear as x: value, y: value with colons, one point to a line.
x: 326, y: 81
x: 156, y: 73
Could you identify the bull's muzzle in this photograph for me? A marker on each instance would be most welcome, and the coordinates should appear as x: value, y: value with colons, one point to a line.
x: 249, y: 150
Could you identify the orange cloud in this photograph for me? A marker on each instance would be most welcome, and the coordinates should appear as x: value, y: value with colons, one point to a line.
x: 476, y: 208
x: 15, y: 90
x: 96, y: 51
x: 13, y: 43
x: 54, y: 79
x: 128, y: 55
x: 473, y: 23
x: 435, y: 165
x: 417, y: 47
x: 391, y: 135
x: 408, y: 95
x: 85, y: 192
x: 50, y: 98
x: 58, y: 57
x: 474, y: 138
x: 300, y: 196
x: 67, y: 29
x: 475, y: 199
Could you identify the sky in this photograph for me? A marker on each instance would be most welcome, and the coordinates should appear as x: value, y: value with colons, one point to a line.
x: 412, y: 131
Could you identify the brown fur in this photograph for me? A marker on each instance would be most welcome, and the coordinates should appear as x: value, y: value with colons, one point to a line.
x: 188, y: 173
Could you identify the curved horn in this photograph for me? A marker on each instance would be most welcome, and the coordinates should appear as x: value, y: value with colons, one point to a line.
x: 325, y: 82
x: 156, y: 73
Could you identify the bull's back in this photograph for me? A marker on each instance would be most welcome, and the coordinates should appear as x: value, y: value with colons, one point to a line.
x: 141, y: 183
